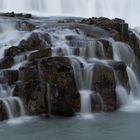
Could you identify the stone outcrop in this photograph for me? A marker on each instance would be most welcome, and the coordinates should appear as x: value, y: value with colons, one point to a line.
x: 56, y: 72
x: 46, y: 83
x: 118, y: 29
x: 104, y: 84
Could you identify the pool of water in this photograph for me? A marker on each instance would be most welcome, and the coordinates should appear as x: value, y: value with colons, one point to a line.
x: 102, y: 126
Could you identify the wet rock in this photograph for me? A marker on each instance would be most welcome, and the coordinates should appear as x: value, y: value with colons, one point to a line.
x: 28, y: 72
x: 12, y: 14
x: 40, y: 54
x: 107, y: 24
x: 13, y: 51
x: 6, y: 62
x: 3, y: 114
x: 118, y: 29
x: 58, y: 72
x: 36, y: 41
x: 11, y: 76
x: 120, y: 69
x: 104, y: 84
x: 33, y: 94
x: 24, y: 26
x: 107, y: 49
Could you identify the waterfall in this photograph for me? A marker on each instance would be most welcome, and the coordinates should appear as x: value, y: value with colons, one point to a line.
x: 10, y: 36
x: 123, y: 52
x: 11, y: 104
x: 84, y: 60
x: 126, y: 9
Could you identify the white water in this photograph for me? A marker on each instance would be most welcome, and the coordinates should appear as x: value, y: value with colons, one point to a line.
x: 130, y: 101
x: 126, y: 9
x: 10, y: 36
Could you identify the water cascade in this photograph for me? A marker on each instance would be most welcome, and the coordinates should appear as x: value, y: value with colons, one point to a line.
x: 84, y: 52
x: 13, y: 105
x: 9, y: 36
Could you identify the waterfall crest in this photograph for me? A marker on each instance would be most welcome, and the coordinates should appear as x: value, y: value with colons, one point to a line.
x: 126, y: 9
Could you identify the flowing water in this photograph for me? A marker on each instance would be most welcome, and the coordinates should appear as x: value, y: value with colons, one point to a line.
x: 122, y: 124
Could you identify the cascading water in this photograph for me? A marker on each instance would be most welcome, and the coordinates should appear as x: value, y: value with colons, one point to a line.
x: 126, y: 9
x: 9, y: 36
x: 123, y: 52
x: 83, y: 62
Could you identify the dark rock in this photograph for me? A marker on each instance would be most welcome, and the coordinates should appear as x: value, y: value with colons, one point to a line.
x: 12, y: 14
x: 33, y: 94
x: 107, y: 48
x: 104, y: 84
x: 121, y: 73
x: 13, y: 51
x: 3, y: 114
x: 24, y: 26
x: 11, y: 76
x: 6, y: 62
x: 57, y: 71
x: 28, y: 72
x: 36, y: 41
x: 118, y: 29
x: 40, y: 54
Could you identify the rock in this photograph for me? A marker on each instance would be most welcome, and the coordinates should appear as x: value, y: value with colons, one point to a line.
x: 107, y: 48
x: 118, y: 29
x: 107, y: 24
x: 6, y: 62
x: 120, y: 69
x: 13, y: 51
x: 64, y: 96
x: 24, y: 26
x: 11, y: 76
x: 12, y: 14
x: 40, y: 54
x: 28, y: 72
x: 36, y: 41
x: 33, y: 94
x: 3, y: 114
x: 58, y: 72
x: 104, y: 84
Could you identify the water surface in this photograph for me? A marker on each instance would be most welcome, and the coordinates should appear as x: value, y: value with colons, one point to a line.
x: 102, y: 126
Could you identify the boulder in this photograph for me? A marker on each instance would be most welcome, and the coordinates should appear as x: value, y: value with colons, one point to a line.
x: 34, y: 56
x: 33, y: 94
x: 11, y: 76
x: 36, y: 41
x: 6, y: 62
x: 107, y: 48
x: 58, y: 72
x: 104, y: 84
x: 121, y: 73
x: 29, y: 72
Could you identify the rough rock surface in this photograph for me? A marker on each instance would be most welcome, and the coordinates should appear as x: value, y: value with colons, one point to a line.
x: 104, y: 84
